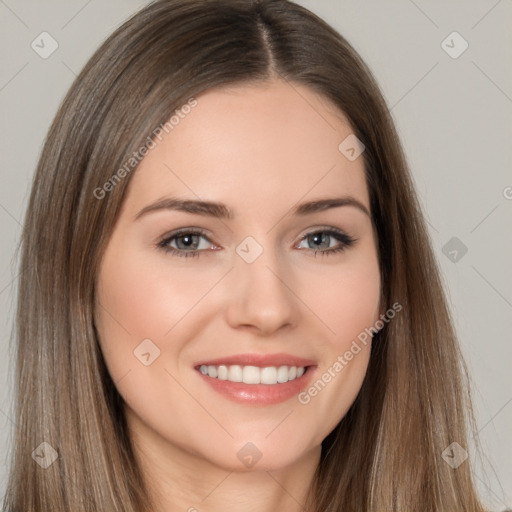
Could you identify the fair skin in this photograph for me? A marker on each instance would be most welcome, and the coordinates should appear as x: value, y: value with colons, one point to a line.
x: 260, y: 150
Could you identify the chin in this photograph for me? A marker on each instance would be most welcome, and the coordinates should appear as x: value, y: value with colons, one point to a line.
x: 260, y: 454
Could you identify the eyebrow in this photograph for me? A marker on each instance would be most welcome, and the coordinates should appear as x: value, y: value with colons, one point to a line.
x: 221, y: 211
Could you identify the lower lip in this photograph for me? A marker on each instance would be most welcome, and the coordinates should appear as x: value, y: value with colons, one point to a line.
x: 259, y: 394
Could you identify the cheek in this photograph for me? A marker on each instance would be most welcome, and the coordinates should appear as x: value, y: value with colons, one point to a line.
x: 135, y: 303
x: 349, y: 307
x: 140, y: 299
x: 348, y: 302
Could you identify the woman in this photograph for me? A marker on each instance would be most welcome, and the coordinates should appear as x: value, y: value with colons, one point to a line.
x: 303, y: 358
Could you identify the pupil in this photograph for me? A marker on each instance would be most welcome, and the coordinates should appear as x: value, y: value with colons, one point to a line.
x: 187, y: 240
x: 318, y: 238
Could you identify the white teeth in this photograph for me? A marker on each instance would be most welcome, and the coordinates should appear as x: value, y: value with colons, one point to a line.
x: 234, y: 373
x: 282, y: 374
x: 269, y: 375
x: 253, y: 374
x: 222, y: 373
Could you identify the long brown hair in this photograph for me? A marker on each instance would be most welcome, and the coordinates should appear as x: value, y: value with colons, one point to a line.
x: 386, y: 453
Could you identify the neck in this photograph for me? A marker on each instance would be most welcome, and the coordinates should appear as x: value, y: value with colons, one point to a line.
x: 181, y: 481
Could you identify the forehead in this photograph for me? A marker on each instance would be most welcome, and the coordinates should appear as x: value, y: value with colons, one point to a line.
x: 275, y: 142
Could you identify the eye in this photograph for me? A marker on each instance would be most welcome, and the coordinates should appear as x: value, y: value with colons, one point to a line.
x: 322, y: 238
x: 187, y: 242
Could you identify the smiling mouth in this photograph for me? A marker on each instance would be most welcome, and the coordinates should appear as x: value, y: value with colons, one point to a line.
x: 270, y: 375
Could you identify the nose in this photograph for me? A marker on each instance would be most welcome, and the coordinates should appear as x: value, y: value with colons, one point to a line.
x: 261, y: 296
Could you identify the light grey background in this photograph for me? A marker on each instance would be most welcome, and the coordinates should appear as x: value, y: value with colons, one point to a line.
x: 453, y: 115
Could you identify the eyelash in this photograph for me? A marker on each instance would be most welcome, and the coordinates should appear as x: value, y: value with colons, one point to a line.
x: 345, y: 240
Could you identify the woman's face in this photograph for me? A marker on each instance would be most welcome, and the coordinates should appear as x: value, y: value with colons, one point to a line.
x: 181, y: 318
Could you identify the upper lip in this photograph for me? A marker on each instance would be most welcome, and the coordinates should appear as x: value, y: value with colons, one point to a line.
x: 260, y: 360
